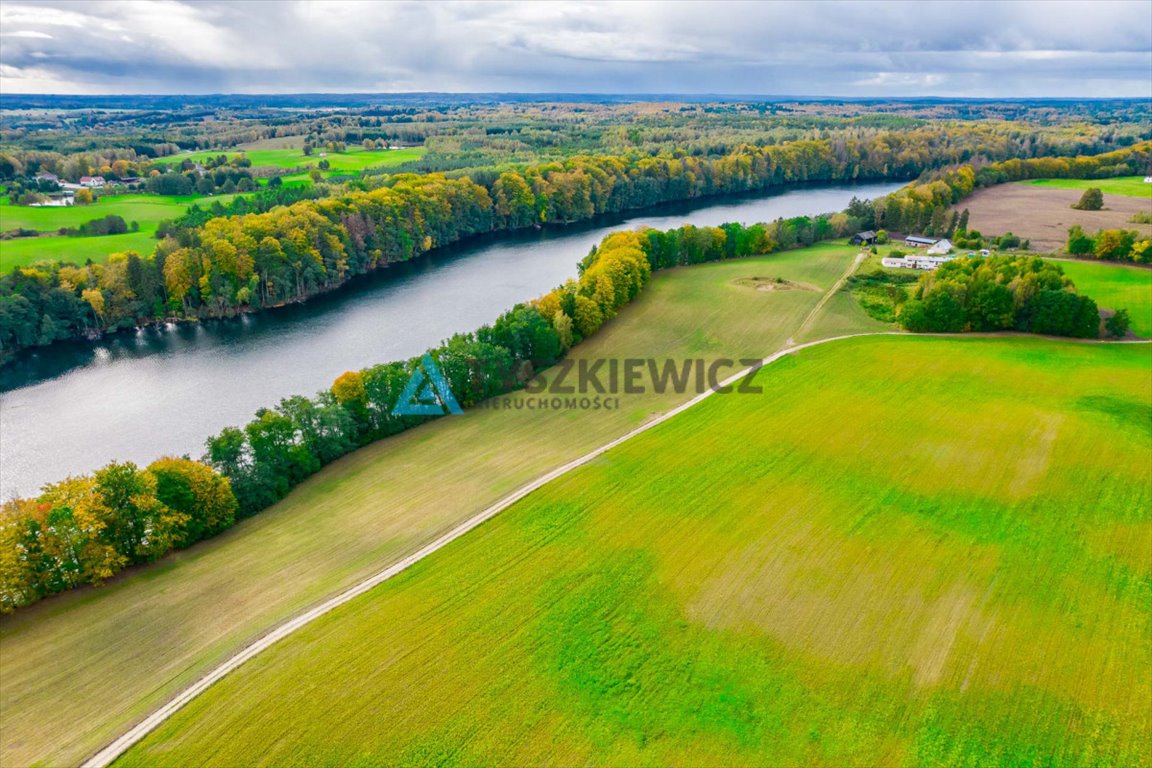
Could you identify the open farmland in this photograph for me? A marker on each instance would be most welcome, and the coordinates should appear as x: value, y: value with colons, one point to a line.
x: 354, y: 160
x: 1116, y: 286
x: 1044, y: 214
x: 104, y: 657
x: 146, y: 210
x: 889, y: 557
x: 77, y: 250
x: 1131, y: 186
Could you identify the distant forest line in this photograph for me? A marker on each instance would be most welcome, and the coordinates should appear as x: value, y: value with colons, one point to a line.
x: 233, y: 264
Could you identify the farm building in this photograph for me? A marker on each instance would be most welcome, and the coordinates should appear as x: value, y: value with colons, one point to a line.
x: 864, y: 238
x: 919, y: 242
x: 47, y: 177
x: 940, y: 248
x: 92, y: 182
x: 914, y: 261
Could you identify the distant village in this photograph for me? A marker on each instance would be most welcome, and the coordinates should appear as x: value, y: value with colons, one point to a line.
x: 66, y: 195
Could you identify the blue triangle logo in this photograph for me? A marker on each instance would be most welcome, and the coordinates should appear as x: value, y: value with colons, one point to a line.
x: 426, y: 393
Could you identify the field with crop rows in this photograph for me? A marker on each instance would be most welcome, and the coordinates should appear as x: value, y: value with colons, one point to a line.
x: 891, y: 556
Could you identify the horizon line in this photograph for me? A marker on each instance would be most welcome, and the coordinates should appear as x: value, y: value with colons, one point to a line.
x: 599, y: 94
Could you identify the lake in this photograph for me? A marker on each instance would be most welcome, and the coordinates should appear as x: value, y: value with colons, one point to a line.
x: 163, y: 391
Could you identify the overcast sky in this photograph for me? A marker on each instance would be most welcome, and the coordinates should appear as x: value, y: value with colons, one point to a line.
x: 1001, y: 48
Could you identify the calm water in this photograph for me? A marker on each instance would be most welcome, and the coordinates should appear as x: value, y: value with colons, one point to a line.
x: 138, y: 396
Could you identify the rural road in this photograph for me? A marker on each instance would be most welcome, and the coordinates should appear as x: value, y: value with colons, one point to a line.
x: 825, y: 298
x: 118, y: 747
x: 121, y: 745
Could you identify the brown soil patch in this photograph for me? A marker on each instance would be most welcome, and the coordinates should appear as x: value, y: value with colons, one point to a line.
x: 1044, y: 215
x: 773, y: 284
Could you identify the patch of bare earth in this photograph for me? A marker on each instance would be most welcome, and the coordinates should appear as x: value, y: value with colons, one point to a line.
x: 1043, y: 215
x: 773, y: 284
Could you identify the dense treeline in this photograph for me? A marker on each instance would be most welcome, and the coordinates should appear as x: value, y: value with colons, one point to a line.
x: 1023, y: 293
x: 287, y: 254
x: 285, y: 444
x: 263, y: 200
x: 84, y: 530
x: 1109, y: 245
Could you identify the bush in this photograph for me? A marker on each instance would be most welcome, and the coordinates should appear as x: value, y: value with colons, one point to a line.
x: 1117, y: 325
x: 1091, y: 200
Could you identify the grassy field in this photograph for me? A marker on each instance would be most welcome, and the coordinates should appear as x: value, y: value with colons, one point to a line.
x: 1116, y: 286
x: 354, y: 160
x: 888, y: 557
x: 1129, y: 186
x: 104, y: 657
x: 147, y: 210
x: 21, y: 253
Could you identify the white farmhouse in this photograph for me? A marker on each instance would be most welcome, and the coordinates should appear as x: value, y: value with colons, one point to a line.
x: 940, y: 248
x: 915, y: 261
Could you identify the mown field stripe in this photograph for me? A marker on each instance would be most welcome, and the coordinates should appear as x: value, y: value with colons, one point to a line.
x: 121, y: 745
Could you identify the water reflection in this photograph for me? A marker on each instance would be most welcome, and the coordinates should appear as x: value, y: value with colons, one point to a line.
x: 164, y: 390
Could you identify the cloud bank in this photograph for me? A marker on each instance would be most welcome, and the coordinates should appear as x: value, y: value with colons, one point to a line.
x: 980, y: 49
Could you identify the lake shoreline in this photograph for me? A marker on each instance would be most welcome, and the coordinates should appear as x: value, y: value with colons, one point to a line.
x: 98, y: 336
x: 163, y: 390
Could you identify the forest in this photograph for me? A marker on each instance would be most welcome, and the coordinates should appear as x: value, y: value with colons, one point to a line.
x: 219, y: 265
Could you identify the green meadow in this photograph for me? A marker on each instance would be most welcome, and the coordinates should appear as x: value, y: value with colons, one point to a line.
x: 892, y: 555
x: 146, y: 210
x: 354, y: 160
x: 26, y: 251
x: 107, y: 656
x: 1129, y: 186
x: 1116, y: 286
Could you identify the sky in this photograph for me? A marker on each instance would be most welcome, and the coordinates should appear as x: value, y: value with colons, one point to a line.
x: 850, y: 49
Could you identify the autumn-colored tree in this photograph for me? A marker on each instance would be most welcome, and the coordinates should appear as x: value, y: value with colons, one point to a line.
x: 349, y: 388
x: 140, y: 526
x: 17, y: 584
x: 73, y: 521
x: 195, y: 491
x: 588, y: 317
x: 563, y: 325
x: 95, y: 299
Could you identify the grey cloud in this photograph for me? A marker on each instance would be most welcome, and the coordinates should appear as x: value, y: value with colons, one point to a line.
x: 825, y: 48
